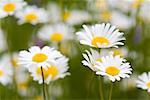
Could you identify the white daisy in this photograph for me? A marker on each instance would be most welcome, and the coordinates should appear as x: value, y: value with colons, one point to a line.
x: 124, y: 22
x: 101, y: 36
x: 91, y: 57
x: 33, y: 15
x: 143, y: 81
x: 56, y: 33
x: 114, y: 68
x: 6, y: 71
x: 9, y: 7
x: 55, y: 70
x: 38, y: 57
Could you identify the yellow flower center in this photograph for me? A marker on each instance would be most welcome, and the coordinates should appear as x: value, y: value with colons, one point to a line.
x: 111, y: 70
x: 31, y: 17
x: 52, y: 70
x: 56, y: 37
x: 105, y: 15
x: 1, y: 73
x: 40, y: 57
x: 14, y: 62
x: 23, y: 85
x: 100, y: 40
x: 9, y: 7
x: 99, y: 60
x: 117, y: 52
x: 66, y: 15
x: 148, y: 84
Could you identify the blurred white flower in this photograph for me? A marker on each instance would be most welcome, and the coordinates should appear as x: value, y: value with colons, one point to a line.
x: 56, y: 33
x: 75, y: 17
x: 143, y: 81
x: 114, y: 68
x: 144, y: 11
x: 92, y: 57
x: 6, y: 71
x: 9, y: 7
x: 122, y: 52
x: 3, y: 45
x: 121, y: 20
x: 36, y: 57
x: 33, y: 15
x: 101, y: 36
x: 56, y: 70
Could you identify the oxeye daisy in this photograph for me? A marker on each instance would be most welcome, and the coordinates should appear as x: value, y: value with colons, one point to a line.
x: 3, y: 45
x: 101, y: 36
x: 9, y: 7
x: 56, y: 33
x: 38, y: 57
x: 56, y: 70
x: 32, y: 14
x: 91, y: 57
x: 122, y: 52
x: 6, y: 71
x: 143, y: 81
x: 114, y: 68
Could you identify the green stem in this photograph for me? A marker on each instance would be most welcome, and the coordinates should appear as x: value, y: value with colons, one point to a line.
x: 101, y: 88
x: 110, y: 93
x: 44, y: 95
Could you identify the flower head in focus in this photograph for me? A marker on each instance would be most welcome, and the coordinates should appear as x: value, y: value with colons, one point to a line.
x: 101, y: 36
x: 37, y: 57
x: 114, y: 68
x: 56, y: 70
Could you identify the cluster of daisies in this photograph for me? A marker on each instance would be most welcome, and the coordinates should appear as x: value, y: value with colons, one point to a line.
x: 44, y: 62
x: 108, y: 63
x: 25, y: 13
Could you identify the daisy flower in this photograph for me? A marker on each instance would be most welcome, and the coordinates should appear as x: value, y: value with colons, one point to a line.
x: 56, y: 33
x: 6, y: 71
x: 56, y: 70
x: 143, y: 81
x: 114, y: 68
x: 38, y: 57
x: 32, y: 14
x: 3, y: 45
x: 9, y: 7
x: 91, y: 57
x: 101, y: 36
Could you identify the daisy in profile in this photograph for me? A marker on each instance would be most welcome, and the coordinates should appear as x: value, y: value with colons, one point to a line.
x: 9, y: 7
x: 143, y: 81
x: 38, y: 57
x: 114, y: 68
x: 6, y: 71
x: 91, y: 57
x: 101, y: 36
x: 32, y: 15
x: 56, y: 33
x: 56, y: 70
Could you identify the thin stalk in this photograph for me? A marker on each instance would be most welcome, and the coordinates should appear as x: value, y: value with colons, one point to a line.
x: 44, y: 94
x: 101, y: 88
x: 110, y: 92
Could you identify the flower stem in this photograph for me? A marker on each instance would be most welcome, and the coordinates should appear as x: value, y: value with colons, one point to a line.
x: 110, y: 93
x: 44, y: 95
x: 101, y: 88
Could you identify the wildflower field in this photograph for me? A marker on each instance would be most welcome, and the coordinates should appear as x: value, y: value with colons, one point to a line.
x: 74, y: 49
